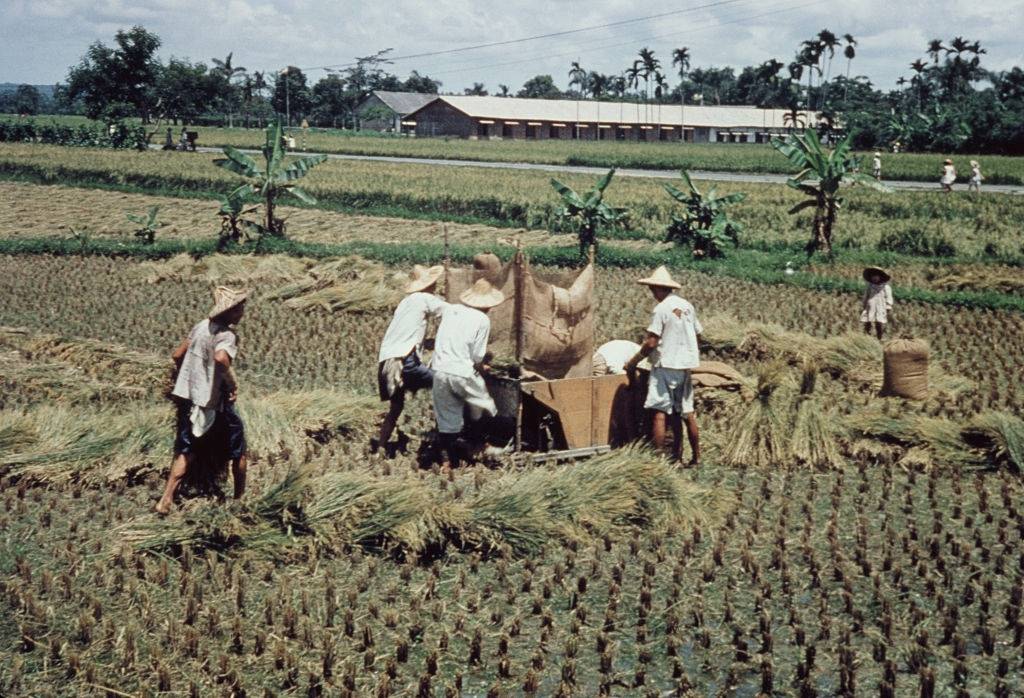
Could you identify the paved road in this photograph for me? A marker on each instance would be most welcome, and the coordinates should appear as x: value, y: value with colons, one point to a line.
x: 632, y: 172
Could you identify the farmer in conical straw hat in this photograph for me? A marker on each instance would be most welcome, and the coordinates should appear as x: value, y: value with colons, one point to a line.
x: 877, y: 304
x: 459, y: 366
x: 206, y: 390
x: 671, y: 344
x: 400, y: 369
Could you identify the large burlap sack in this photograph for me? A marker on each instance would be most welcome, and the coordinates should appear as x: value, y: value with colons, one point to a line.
x: 715, y: 374
x: 905, y: 369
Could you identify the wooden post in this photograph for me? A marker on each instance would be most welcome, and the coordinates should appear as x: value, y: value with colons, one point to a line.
x: 447, y: 263
x: 517, y: 302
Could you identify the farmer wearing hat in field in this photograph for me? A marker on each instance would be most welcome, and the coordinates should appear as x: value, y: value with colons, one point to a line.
x: 671, y: 344
x: 877, y: 302
x: 458, y: 364
x: 205, y: 390
x: 399, y: 369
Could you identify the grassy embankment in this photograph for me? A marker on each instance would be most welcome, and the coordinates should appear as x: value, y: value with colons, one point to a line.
x: 718, y: 157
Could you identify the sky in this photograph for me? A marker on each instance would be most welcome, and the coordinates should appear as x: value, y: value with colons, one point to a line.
x: 40, y: 39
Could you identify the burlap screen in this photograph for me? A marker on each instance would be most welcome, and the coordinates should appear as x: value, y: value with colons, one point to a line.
x: 557, y: 324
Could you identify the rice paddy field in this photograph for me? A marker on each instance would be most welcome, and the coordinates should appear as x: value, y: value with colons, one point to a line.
x: 917, y: 223
x: 720, y: 157
x: 832, y: 541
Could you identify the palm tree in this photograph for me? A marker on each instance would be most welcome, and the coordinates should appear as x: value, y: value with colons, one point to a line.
x: 503, y: 90
x: 808, y: 58
x: 633, y: 75
x: 660, y: 91
x: 935, y: 47
x: 850, y: 51
x: 651, y: 65
x: 578, y: 77
x: 619, y: 83
x: 599, y: 86
x: 681, y: 59
x: 828, y: 42
x: 229, y: 72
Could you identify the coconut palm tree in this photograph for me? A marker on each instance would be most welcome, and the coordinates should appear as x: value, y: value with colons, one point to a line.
x: 660, y: 91
x: 850, y: 51
x: 599, y: 86
x: 633, y: 75
x: 935, y: 47
x: 681, y: 59
x: 828, y: 42
x: 578, y: 77
x: 651, y: 65
x: 229, y: 72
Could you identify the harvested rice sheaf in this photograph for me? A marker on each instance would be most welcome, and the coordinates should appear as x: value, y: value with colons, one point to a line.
x: 521, y: 511
x: 761, y: 430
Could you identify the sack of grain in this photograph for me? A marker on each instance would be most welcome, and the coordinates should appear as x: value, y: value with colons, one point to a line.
x: 905, y: 369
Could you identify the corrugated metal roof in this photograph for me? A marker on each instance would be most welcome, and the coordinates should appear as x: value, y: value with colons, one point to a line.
x: 403, y: 103
x: 587, y: 111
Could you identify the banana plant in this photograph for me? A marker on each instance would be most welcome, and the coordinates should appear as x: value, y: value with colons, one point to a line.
x: 704, y: 223
x: 588, y: 212
x: 821, y: 174
x: 270, y: 180
x: 148, y: 224
x: 233, y: 227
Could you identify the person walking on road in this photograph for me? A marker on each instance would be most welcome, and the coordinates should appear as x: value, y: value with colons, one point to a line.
x: 672, y: 346
x: 948, y: 176
x: 459, y: 365
x: 877, y: 304
x: 206, y: 390
x: 876, y: 166
x: 974, y: 184
x: 399, y: 368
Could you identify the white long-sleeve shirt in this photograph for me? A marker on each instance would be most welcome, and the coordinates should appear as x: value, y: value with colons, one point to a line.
x: 409, y: 325
x: 461, y: 340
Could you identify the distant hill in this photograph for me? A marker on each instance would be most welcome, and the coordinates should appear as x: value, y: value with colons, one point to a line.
x: 46, y: 91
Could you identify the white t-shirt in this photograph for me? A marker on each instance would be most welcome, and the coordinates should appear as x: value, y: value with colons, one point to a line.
x: 675, y: 322
x: 409, y: 325
x: 461, y: 340
x: 197, y: 378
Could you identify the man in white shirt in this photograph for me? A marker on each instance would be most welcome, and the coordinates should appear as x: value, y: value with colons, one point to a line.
x: 399, y: 369
x: 205, y: 390
x: 458, y: 364
x: 671, y: 344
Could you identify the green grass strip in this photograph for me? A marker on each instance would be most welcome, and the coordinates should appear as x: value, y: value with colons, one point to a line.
x: 746, y: 265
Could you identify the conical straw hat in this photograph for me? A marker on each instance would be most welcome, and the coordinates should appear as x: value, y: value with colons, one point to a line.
x: 660, y: 277
x: 868, y: 271
x: 224, y: 299
x: 422, y: 278
x: 482, y: 295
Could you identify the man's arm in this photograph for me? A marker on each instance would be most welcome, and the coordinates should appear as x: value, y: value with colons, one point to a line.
x: 225, y: 373
x: 649, y: 345
x: 178, y: 355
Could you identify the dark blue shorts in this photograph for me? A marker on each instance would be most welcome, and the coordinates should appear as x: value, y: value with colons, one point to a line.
x: 416, y: 375
x: 226, y: 437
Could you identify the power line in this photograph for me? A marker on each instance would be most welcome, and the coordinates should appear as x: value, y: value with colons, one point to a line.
x: 551, y: 35
x: 577, y: 50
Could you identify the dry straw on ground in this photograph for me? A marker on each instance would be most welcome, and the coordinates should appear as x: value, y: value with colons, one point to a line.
x: 517, y: 511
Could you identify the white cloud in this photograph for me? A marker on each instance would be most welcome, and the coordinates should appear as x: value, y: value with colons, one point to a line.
x: 39, y: 39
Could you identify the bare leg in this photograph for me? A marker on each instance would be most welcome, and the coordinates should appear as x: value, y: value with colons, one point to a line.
x: 658, y: 430
x: 676, y: 421
x: 179, y: 468
x: 879, y: 330
x: 238, y: 471
x: 391, y: 418
x: 867, y: 328
x: 694, y: 435
x: 449, y: 444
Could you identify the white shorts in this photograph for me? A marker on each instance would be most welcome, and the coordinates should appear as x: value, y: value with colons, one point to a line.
x: 670, y: 390
x: 452, y: 393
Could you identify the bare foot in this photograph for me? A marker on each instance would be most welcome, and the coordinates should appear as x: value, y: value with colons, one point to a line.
x: 162, y: 509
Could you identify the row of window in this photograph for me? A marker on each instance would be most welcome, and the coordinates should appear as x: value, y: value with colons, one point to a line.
x: 555, y: 132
